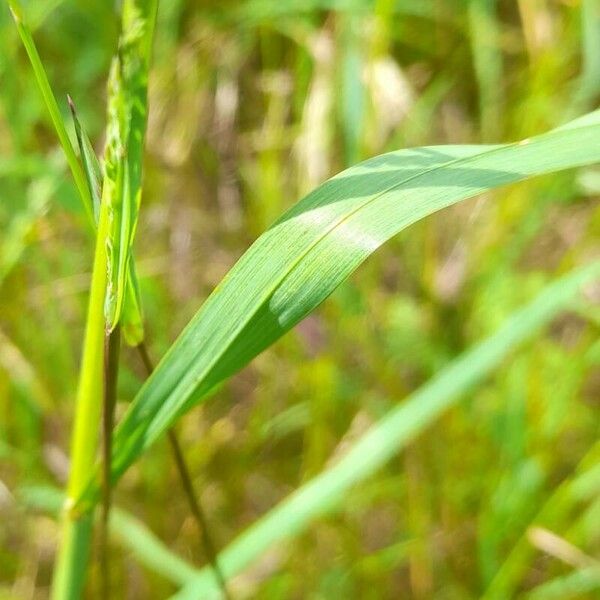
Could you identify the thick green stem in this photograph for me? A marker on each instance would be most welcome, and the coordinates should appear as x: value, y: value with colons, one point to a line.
x: 70, y: 568
x: 74, y: 548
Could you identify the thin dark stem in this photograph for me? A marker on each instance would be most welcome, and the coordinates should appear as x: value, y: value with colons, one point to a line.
x: 112, y: 346
x: 143, y: 352
x: 208, y: 545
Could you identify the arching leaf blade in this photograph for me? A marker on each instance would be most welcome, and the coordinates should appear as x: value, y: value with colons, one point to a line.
x: 313, y: 247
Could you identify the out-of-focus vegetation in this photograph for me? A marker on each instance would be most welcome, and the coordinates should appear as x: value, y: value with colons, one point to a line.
x: 252, y: 104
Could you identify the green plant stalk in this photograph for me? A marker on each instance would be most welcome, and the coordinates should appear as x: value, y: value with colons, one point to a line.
x: 52, y: 106
x: 70, y: 568
x: 69, y: 575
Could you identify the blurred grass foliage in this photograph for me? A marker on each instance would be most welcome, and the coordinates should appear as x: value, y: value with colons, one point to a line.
x: 252, y: 104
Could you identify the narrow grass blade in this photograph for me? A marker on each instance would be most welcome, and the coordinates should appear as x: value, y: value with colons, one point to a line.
x: 393, y: 432
x: 91, y: 165
x: 589, y: 84
x: 556, y: 510
x: 487, y: 61
x: 116, y: 226
x: 52, y: 106
x: 305, y: 255
x: 572, y: 585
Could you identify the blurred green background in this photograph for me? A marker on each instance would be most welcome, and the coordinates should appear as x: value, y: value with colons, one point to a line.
x: 252, y: 104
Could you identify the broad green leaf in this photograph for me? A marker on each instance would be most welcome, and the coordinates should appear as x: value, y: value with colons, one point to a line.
x: 123, y: 156
x: 398, y: 428
x: 313, y: 247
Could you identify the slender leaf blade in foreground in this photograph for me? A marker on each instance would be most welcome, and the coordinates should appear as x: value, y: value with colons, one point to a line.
x: 52, y: 106
x: 393, y: 432
x: 313, y: 247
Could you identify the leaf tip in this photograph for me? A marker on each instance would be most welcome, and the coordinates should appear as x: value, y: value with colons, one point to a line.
x: 15, y: 9
x: 71, y: 105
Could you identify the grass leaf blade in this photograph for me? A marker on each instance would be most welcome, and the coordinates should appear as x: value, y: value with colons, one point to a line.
x: 91, y: 165
x: 313, y: 247
x: 52, y: 106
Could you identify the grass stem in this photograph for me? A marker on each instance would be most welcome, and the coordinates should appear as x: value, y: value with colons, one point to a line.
x: 111, y: 374
x: 73, y: 553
